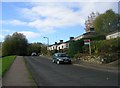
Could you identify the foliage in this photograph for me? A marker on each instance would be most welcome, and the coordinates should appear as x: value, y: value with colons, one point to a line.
x: 78, y: 55
x: 53, y: 51
x: 0, y: 49
x: 44, y: 50
x: 34, y: 47
x: 0, y: 67
x: 79, y: 47
x: 97, y: 47
x: 106, y: 22
x: 75, y: 47
x: 106, y: 46
x: 6, y: 62
x: 14, y: 45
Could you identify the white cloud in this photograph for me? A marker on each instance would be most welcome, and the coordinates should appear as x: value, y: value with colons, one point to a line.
x: 46, y: 17
x: 101, y: 7
x: 15, y: 22
x: 30, y: 34
x: 29, y: 14
x: 1, y: 37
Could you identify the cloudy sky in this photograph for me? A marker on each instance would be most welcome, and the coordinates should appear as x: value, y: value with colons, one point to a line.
x: 56, y: 20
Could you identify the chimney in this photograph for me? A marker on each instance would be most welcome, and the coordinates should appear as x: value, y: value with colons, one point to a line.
x: 55, y: 42
x: 61, y: 41
x: 71, y: 38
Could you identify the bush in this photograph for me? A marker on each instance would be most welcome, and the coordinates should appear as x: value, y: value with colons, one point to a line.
x: 106, y: 46
x: 79, y: 47
x: 75, y: 47
x: 78, y: 55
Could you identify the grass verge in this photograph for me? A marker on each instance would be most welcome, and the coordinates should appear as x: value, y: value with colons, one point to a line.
x: 0, y: 67
x: 6, y: 63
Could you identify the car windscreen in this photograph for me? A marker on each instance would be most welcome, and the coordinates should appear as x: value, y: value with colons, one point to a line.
x: 62, y: 55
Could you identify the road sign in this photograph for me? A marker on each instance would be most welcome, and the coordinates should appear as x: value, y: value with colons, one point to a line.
x: 87, y: 41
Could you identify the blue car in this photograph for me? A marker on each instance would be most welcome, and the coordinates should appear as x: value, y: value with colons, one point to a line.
x: 61, y: 58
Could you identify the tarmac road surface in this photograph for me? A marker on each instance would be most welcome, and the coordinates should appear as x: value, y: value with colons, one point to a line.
x: 46, y: 73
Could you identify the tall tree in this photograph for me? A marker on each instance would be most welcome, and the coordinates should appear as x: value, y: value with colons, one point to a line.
x: 107, y: 22
x: 34, y: 47
x: 15, y: 44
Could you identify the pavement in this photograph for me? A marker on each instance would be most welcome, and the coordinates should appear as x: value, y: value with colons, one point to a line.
x: 18, y: 74
x: 46, y: 73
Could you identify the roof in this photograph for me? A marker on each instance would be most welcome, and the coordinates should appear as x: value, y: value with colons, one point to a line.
x: 89, y: 33
x: 113, y: 32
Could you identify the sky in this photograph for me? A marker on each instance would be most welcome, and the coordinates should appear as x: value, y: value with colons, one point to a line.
x: 53, y: 19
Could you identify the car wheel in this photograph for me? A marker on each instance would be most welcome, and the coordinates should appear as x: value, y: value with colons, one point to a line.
x: 58, y: 62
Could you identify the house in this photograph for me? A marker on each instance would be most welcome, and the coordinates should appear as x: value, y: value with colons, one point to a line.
x: 60, y: 46
x: 85, y: 35
x: 49, y: 47
x: 113, y: 35
x: 63, y: 45
x: 53, y: 47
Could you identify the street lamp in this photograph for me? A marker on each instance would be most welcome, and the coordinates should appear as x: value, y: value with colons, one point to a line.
x: 47, y: 44
x: 47, y: 40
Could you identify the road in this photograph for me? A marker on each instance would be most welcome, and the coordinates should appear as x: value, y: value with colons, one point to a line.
x: 47, y: 73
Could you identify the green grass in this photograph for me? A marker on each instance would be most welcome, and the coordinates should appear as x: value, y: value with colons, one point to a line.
x: 6, y: 63
x: 0, y: 66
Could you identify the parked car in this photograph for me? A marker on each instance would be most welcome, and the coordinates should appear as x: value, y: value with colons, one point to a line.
x: 61, y: 58
x: 34, y: 54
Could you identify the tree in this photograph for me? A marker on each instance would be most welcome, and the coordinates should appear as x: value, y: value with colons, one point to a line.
x: 44, y: 50
x: 34, y: 47
x: 6, y: 46
x: 0, y: 49
x: 15, y: 45
x: 107, y: 22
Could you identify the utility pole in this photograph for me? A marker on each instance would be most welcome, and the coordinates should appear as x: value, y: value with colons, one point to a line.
x: 87, y: 42
x: 89, y: 48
